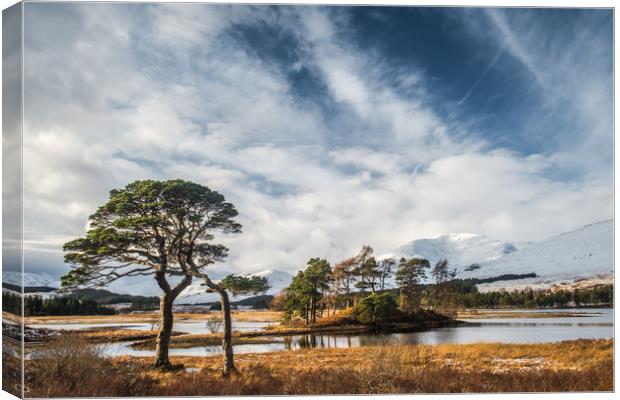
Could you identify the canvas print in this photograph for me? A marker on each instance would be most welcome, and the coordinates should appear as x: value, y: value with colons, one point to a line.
x: 219, y: 199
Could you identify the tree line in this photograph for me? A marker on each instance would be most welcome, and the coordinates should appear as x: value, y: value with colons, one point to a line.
x: 63, y: 305
x: 468, y: 296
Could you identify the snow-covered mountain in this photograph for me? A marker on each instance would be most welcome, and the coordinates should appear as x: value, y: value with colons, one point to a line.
x: 583, y: 253
x: 460, y: 249
x: 196, y: 292
x: 30, y: 279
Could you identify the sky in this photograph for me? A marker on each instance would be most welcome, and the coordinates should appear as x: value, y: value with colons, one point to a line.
x: 327, y: 127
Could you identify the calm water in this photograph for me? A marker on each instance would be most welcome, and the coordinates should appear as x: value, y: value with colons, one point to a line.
x: 592, y: 324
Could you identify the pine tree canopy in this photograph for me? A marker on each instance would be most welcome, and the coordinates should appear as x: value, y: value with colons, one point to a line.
x: 151, y: 227
x: 240, y: 284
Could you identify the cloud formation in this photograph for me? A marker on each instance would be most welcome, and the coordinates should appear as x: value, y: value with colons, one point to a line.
x: 321, y: 144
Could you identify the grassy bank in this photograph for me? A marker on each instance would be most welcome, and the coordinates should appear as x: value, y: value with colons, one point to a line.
x: 197, y: 340
x: 519, y: 313
x: 118, y: 335
x: 583, y: 365
x: 241, y: 316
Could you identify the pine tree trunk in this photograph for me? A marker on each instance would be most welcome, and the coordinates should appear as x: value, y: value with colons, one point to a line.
x: 167, y: 318
x: 165, y: 331
x: 227, y: 346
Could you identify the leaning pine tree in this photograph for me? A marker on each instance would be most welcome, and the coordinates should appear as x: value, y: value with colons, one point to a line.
x: 153, y: 228
x: 237, y: 285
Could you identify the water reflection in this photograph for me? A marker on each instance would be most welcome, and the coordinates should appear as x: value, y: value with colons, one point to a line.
x: 311, y: 341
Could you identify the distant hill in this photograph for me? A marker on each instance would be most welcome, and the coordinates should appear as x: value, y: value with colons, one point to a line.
x: 103, y: 296
x: 262, y: 300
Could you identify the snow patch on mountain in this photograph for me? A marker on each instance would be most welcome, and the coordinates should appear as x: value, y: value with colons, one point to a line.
x: 196, y: 292
x: 460, y: 249
x: 586, y: 252
x: 30, y: 279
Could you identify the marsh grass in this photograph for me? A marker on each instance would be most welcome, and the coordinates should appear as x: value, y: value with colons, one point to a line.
x: 106, y: 335
x: 70, y: 366
x: 75, y: 369
x: 67, y: 356
x: 474, y: 314
x: 207, y: 339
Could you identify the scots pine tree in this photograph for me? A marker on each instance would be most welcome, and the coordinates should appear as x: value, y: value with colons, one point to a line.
x: 159, y: 229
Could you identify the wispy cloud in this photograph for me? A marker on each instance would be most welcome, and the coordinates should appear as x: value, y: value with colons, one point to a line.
x: 513, y: 43
x: 571, y: 62
x: 484, y: 74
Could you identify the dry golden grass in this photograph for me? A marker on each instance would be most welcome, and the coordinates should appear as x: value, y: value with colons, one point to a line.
x: 578, y: 365
x: 117, y: 335
x: 578, y: 354
x: 11, y: 317
x: 583, y: 365
x: 257, y: 316
x: 206, y: 339
x: 245, y: 316
x: 514, y: 313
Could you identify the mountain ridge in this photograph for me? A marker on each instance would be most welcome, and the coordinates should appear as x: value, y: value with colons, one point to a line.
x: 460, y: 249
x: 582, y: 253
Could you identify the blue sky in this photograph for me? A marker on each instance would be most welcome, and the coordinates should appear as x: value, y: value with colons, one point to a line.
x: 327, y: 127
